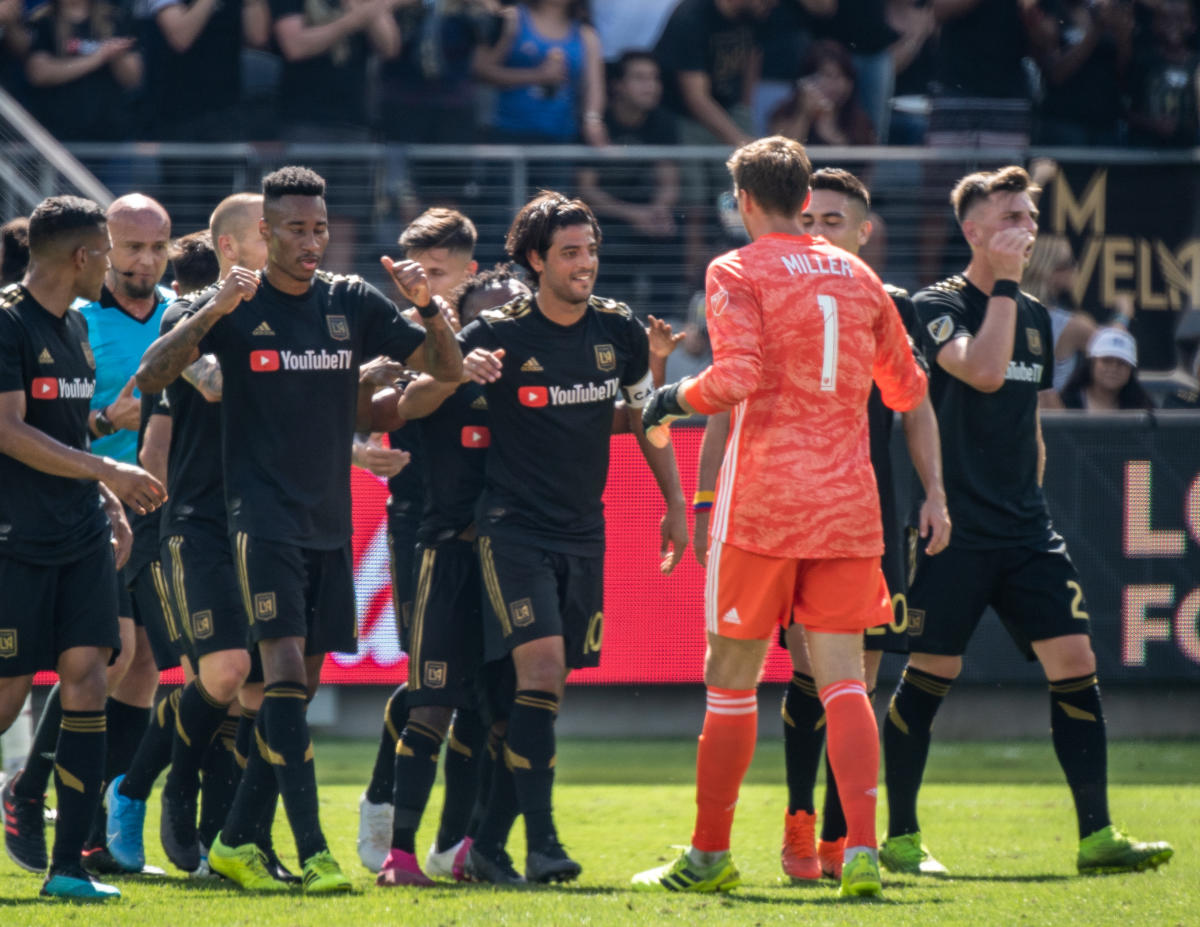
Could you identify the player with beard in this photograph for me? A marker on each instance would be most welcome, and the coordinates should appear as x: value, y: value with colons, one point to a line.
x: 57, y: 556
x: 554, y: 364
x: 289, y: 362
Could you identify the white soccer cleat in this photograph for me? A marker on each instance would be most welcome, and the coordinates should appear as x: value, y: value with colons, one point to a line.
x: 374, y: 832
x: 450, y: 863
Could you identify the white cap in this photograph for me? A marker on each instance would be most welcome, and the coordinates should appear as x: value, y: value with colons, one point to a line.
x: 1113, y: 342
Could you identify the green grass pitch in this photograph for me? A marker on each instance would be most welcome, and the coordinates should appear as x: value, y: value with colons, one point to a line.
x: 997, y: 815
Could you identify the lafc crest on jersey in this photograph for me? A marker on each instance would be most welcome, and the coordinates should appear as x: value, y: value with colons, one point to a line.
x: 339, y: 328
x: 940, y: 328
x: 1034, y: 339
x: 87, y: 354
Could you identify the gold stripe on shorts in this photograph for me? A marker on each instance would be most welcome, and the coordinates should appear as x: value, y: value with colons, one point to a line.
x: 417, y: 628
x: 164, y: 599
x: 241, y: 541
x: 491, y: 582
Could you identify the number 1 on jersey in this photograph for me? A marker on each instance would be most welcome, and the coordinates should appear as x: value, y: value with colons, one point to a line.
x: 830, y: 356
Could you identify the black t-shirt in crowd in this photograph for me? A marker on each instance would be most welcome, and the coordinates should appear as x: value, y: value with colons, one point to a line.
x: 989, y: 440
x: 635, y: 181
x: 47, y: 519
x: 980, y: 52
x: 195, y: 482
x: 289, y: 366
x: 326, y: 89
x: 699, y: 37
x: 860, y: 25
x: 455, y: 438
x: 551, y: 418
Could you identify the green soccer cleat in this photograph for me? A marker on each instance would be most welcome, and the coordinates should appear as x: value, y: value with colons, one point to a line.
x: 244, y: 865
x: 685, y: 876
x: 908, y: 855
x: 323, y: 876
x: 1108, y: 851
x: 860, y: 877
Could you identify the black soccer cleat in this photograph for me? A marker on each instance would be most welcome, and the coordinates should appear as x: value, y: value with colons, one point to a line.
x: 493, y: 866
x: 98, y: 861
x: 24, y: 828
x: 550, y: 863
x: 177, y: 831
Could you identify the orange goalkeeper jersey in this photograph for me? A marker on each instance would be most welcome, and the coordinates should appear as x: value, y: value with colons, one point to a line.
x: 799, y: 329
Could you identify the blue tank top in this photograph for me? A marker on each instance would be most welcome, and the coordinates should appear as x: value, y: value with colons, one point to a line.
x: 536, y: 109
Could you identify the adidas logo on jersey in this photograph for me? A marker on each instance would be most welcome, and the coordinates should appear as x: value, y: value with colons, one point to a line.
x: 44, y: 357
x: 263, y: 329
x: 531, y: 366
x: 732, y: 617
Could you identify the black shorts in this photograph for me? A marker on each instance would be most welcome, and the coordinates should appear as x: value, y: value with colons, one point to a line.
x: 446, y: 636
x: 49, y: 609
x: 1036, y: 593
x: 203, y: 583
x: 402, y: 548
x: 154, y: 610
x: 290, y: 591
x: 532, y: 593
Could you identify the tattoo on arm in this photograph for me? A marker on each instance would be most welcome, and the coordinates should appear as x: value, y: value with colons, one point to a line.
x: 443, y: 358
x: 205, y: 376
x: 165, y: 359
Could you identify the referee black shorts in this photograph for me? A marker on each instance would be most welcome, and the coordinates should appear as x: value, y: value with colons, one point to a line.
x: 1036, y: 593
x: 531, y: 593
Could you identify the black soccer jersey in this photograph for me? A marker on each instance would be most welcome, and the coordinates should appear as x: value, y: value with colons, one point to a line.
x: 195, y: 483
x: 406, y: 490
x: 455, y: 439
x: 290, y: 370
x: 144, y: 527
x: 989, y: 440
x: 551, y: 417
x: 47, y: 519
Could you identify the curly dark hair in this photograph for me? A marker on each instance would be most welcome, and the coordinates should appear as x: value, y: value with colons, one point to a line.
x: 194, y: 261
x: 477, y: 283
x: 292, y: 181
x: 534, y: 227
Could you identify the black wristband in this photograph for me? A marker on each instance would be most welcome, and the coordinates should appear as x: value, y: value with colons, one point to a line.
x: 428, y: 311
x: 1006, y: 288
x: 104, y: 425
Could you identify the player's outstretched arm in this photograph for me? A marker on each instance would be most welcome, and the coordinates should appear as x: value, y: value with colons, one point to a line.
x: 925, y: 450
x: 673, y: 526
x: 440, y: 355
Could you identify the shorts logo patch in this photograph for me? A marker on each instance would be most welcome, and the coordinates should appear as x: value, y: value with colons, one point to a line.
x: 339, y: 328
x: 434, y: 676
x: 202, y: 625
x: 940, y: 328
x: 606, y: 357
x: 262, y: 361
x: 521, y: 612
x: 87, y: 354
x: 264, y: 606
x: 916, y: 622
x: 1034, y: 338
x: 8, y: 642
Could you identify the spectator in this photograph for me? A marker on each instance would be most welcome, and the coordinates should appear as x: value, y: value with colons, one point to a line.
x: 825, y: 109
x: 81, y: 63
x: 1083, y: 48
x: 1108, y: 379
x: 913, y: 62
x: 862, y: 27
x: 1051, y: 278
x: 14, y: 250
x: 1163, y: 98
x: 14, y: 41
x: 637, y: 200
x: 786, y: 36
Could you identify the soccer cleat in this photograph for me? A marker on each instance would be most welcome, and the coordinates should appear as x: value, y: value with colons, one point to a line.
x: 685, y: 876
x: 550, y: 863
x: 123, y: 827
x: 400, y: 868
x: 829, y: 855
x: 860, y: 877
x: 278, y: 870
x: 177, y: 831
x: 494, y: 866
x: 907, y: 854
x: 24, y: 828
x: 244, y: 865
x: 798, y: 856
x: 1108, y: 851
x: 323, y: 876
x: 374, y: 832
x: 74, y: 884
x: 449, y: 863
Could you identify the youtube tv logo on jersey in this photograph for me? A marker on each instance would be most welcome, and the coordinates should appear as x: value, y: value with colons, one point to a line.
x: 476, y: 436
x: 534, y: 396
x: 44, y: 388
x: 264, y: 361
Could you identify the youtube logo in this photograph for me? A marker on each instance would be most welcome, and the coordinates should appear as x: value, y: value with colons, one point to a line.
x: 534, y: 396
x: 476, y: 436
x: 44, y: 388
x: 263, y: 361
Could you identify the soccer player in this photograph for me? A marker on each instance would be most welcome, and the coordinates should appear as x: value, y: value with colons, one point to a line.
x: 799, y: 330
x: 557, y: 362
x: 990, y: 349
x: 289, y: 363
x: 445, y: 636
x: 57, y: 557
